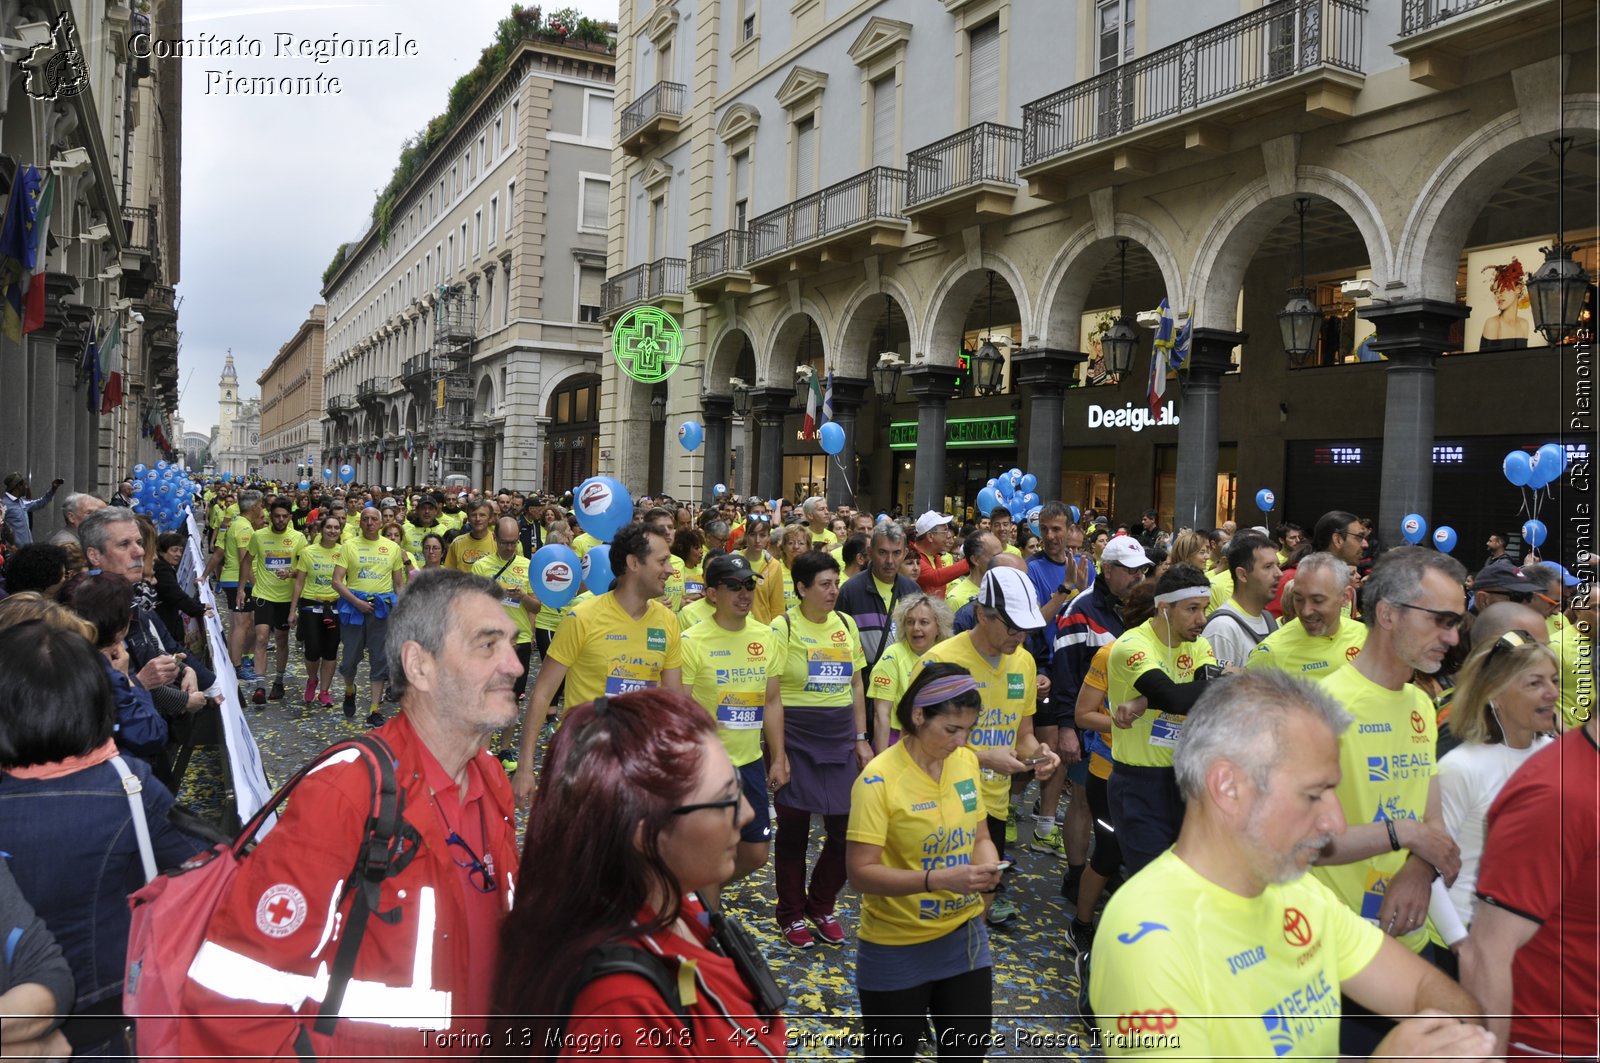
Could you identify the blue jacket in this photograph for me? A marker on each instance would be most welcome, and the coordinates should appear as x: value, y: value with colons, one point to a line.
x: 17, y: 511
x: 76, y: 858
x: 141, y: 730
x: 1086, y: 623
x: 859, y: 600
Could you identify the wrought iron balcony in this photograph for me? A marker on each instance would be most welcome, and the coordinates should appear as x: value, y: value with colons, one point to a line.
x: 417, y: 368
x: 370, y: 391
x: 718, y: 266
x: 657, y: 283
x: 139, y: 230
x: 1439, y: 37
x: 1184, y: 96
x: 338, y: 404
x: 866, y: 211
x: 968, y: 177
x: 652, y: 117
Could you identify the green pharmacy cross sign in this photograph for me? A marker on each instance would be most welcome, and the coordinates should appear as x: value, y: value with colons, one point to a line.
x: 647, y: 344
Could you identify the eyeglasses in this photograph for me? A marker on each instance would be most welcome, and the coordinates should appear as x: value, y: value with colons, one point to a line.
x: 764, y: 518
x: 1546, y: 599
x: 1508, y: 640
x: 1363, y: 536
x: 1444, y: 618
x: 737, y: 585
x: 731, y: 802
x: 478, y: 872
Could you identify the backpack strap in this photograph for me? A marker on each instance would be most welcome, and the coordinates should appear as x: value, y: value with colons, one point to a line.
x: 616, y: 957
x: 1255, y: 639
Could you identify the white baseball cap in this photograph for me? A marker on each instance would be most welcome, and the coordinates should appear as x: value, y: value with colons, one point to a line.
x: 929, y: 521
x: 1124, y: 550
x: 1008, y: 591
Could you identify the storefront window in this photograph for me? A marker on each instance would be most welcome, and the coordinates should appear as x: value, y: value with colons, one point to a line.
x: 805, y: 475
x: 1167, y: 488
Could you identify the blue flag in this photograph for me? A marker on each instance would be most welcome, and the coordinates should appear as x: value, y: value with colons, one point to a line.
x: 91, y: 368
x: 17, y: 247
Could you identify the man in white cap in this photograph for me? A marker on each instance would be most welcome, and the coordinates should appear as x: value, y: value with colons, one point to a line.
x: 932, y: 546
x: 1007, y: 681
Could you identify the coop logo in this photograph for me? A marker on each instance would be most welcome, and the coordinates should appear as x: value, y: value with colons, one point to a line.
x: 557, y: 576
x: 595, y: 498
x: 1155, y: 1021
x: 56, y: 69
x: 1130, y: 416
x: 1135, y: 659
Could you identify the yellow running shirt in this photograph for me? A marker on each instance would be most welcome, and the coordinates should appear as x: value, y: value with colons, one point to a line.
x: 1009, y: 689
x: 512, y: 576
x: 452, y: 521
x: 318, y: 564
x: 694, y: 613
x: 1149, y: 742
x: 1185, y: 969
x: 1309, y: 656
x: 1386, y: 761
x: 819, y: 659
x: 606, y: 651
x: 727, y: 672
x: 370, y: 564
x: 272, y: 555
x: 465, y: 551
x: 694, y: 580
x: 892, y: 675
x: 237, y: 538
x: 1100, y: 765
x: 672, y: 589
x: 583, y: 543
x: 415, y: 533
x: 959, y: 592
x: 921, y: 825
x: 1575, y: 673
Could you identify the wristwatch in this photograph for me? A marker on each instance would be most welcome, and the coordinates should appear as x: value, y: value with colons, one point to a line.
x: 1068, y: 591
x: 861, y: 736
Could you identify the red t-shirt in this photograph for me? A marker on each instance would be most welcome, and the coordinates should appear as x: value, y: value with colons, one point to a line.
x: 1541, y: 860
x: 626, y: 1006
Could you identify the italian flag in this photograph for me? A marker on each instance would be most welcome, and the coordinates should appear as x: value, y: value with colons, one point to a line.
x: 33, y: 299
x: 813, y: 404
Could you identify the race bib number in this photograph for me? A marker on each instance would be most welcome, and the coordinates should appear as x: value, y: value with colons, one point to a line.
x: 276, y: 563
x: 625, y: 684
x: 741, y: 711
x: 511, y: 601
x: 828, y: 668
x: 1164, y: 730
x: 694, y: 587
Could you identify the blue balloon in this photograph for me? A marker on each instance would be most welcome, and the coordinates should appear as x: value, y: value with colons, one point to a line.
x: 1030, y: 482
x: 1534, y: 532
x: 882, y: 517
x: 989, y: 482
x: 555, y: 572
x: 832, y: 438
x: 1444, y: 538
x: 163, y: 463
x: 346, y: 473
x: 1075, y: 514
x: 227, y: 477
x: 1547, y: 465
x: 1265, y: 500
x: 987, y: 500
x: 1005, y: 489
x: 1413, y: 528
x: 138, y: 488
x: 1015, y: 474
x: 1030, y: 500
x: 327, y: 474
x: 1518, y: 468
x: 602, y: 506
x: 719, y: 490
x: 305, y: 485
x: 597, y: 575
x: 691, y: 435
x: 138, y: 470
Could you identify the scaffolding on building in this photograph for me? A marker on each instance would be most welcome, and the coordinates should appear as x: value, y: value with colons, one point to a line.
x: 450, y: 381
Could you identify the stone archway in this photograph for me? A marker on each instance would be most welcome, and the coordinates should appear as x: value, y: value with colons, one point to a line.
x: 1072, y: 274
x: 952, y: 301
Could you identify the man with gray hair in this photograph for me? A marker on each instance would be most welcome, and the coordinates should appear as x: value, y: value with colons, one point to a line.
x: 817, y: 517
x: 1258, y: 766
x: 74, y: 508
x: 1319, y: 639
x: 1547, y: 592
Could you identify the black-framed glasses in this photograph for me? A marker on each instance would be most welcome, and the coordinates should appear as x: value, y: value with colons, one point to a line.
x: 1444, y: 618
x: 478, y: 872
x: 737, y: 585
x: 1357, y: 534
x: 730, y: 802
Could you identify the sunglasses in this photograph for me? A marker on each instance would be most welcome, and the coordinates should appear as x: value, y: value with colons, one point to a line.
x: 1444, y: 618
x: 737, y: 585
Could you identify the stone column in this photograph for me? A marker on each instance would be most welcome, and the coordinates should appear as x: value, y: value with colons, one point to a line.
x: 932, y: 385
x: 1412, y: 334
x: 477, y: 463
x: 717, y: 411
x: 770, y: 406
x: 1043, y: 374
x: 1211, y: 353
x: 844, y: 471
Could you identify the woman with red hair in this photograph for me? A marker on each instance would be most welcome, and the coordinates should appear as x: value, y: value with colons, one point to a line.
x: 640, y: 809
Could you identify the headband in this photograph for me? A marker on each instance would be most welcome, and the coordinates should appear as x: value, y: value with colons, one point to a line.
x: 1181, y: 594
x: 942, y: 690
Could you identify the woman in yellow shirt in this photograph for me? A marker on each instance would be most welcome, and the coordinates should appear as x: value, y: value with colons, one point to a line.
x: 316, y: 606
x: 775, y: 596
x: 920, y: 854
x: 920, y: 622
x: 757, y: 536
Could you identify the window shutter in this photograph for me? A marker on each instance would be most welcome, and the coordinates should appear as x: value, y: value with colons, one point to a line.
x: 805, y: 150
x: 589, y: 281
x: 883, y: 122
x: 594, y: 204
x: 983, y: 81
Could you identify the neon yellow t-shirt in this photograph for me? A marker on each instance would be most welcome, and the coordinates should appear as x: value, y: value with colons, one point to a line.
x: 452, y: 521
x: 758, y: 564
x: 694, y: 580
x: 582, y: 543
x: 465, y: 551
x: 1014, y: 551
x: 550, y: 619
x: 1009, y: 689
x: 819, y: 659
x: 351, y: 529
x: 513, y: 580
x: 1221, y: 589
x: 272, y: 555
x: 1187, y: 969
x: 606, y: 651
x: 318, y: 563
x: 1150, y: 741
x: 370, y: 564
x: 824, y: 541
x: 1291, y: 649
x: 236, y: 539
x: 414, y: 534
x: 1575, y: 671
x: 694, y: 613
x: 1100, y: 766
x: 959, y: 592
x: 1386, y: 762
x: 727, y: 672
x: 672, y: 589
x: 921, y: 825
x: 892, y: 675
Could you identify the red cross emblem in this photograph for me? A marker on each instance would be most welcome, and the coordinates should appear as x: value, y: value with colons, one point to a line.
x: 280, y: 911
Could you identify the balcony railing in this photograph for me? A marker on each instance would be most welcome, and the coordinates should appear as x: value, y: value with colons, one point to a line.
x: 418, y: 365
x: 139, y: 232
x: 654, y: 280
x: 982, y: 154
x: 726, y: 252
x: 340, y: 403
x: 1419, y: 15
x: 1277, y: 41
x: 368, y: 389
x: 879, y: 194
x: 664, y: 99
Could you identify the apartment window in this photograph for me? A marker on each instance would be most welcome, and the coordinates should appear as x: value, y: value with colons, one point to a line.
x: 741, y: 189
x: 664, y: 60
x: 512, y: 132
x: 983, y: 78
x: 461, y: 262
x: 1115, y: 19
x: 452, y: 247
x: 483, y: 152
x: 511, y: 205
x: 749, y: 28
x: 488, y: 296
x: 805, y: 156
x: 590, y: 280
x: 505, y: 304
x: 494, y: 219
x: 438, y: 253
x: 658, y: 228
x: 597, y: 117
x: 455, y: 181
x: 883, y: 115
x: 593, y: 210
x: 477, y: 232
x: 499, y: 134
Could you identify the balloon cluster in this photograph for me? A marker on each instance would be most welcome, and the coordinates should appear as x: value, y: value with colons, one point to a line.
x: 1016, y: 491
x: 1535, y: 472
x: 1414, y: 529
x: 163, y: 493
x: 603, y: 507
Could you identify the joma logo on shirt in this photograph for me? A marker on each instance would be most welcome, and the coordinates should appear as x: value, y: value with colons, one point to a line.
x: 1248, y: 958
x: 924, y: 806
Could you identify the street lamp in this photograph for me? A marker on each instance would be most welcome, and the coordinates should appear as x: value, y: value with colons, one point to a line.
x: 658, y: 409
x: 802, y: 383
x: 1121, y: 340
x: 1300, y: 319
x: 1557, y: 288
x: 886, y: 376
x: 987, y: 365
x: 741, y: 396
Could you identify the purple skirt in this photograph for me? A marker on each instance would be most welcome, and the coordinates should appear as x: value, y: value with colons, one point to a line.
x: 821, y: 745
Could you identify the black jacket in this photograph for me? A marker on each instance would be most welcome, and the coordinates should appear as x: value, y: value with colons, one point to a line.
x: 859, y: 599
x: 172, y: 602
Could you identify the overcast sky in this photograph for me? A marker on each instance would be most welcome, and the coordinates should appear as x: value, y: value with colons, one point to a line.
x: 272, y: 184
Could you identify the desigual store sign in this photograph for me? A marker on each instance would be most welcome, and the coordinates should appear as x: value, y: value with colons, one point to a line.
x: 1130, y: 416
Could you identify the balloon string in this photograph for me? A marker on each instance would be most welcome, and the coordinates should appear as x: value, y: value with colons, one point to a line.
x: 839, y: 460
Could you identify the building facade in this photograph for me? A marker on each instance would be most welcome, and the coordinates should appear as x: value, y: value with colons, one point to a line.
x: 465, y: 338
x: 291, y: 404
x: 78, y: 102
x: 235, y: 445
x: 821, y: 184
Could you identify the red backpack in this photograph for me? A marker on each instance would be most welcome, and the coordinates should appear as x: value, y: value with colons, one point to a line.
x: 172, y: 912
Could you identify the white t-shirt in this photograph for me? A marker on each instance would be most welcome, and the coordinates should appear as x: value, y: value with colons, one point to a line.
x: 1227, y: 638
x: 1470, y: 777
